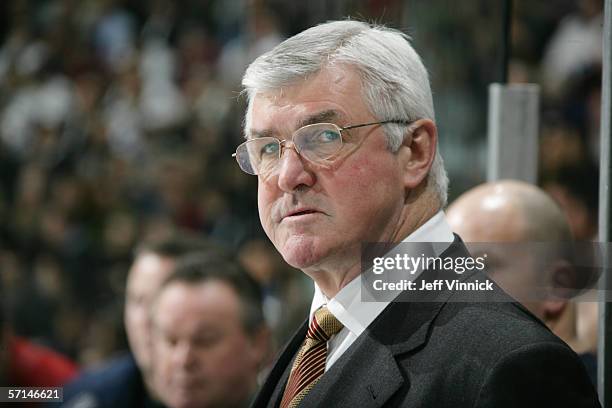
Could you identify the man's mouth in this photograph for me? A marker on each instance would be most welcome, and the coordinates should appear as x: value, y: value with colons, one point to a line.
x: 300, y: 212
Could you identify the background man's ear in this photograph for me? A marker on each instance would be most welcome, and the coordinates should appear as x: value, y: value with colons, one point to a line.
x: 418, y: 151
x: 262, y: 347
x: 561, y: 278
x: 552, y: 309
x: 564, y: 279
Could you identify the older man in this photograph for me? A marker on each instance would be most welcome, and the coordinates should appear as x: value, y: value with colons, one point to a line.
x: 341, y: 134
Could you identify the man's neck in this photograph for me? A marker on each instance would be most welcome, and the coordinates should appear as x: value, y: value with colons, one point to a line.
x: 565, y: 328
x: 331, y: 278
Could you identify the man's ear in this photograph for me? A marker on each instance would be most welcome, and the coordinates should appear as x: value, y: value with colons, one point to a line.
x: 261, y: 346
x: 562, y: 280
x: 552, y: 309
x: 417, y: 152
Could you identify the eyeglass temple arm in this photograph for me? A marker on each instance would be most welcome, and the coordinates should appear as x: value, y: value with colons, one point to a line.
x: 398, y: 121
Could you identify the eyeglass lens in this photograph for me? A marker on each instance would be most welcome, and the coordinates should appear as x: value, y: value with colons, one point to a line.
x: 314, y: 142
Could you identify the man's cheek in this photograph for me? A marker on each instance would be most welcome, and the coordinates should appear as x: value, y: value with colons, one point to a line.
x: 265, y: 198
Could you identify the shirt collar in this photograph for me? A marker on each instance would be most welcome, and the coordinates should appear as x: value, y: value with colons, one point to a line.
x: 347, y: 306
x: 435, y: 231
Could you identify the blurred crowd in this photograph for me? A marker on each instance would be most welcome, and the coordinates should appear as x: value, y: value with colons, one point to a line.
x: 118, y: 123
x: 118, y: 120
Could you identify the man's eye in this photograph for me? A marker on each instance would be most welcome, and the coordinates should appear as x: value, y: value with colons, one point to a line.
x: 207, y: 341
x: 327, y: 136
x: 171, y: 341
x: 269, y: 149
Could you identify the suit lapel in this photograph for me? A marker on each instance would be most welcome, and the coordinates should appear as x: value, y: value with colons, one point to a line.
x: 271, y: 391
x: 404, y: 325
x: 366, y: 376
x: 279, y: 388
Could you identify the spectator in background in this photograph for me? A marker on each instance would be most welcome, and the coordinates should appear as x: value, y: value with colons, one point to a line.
x: 26, y: 364
x: 576, y: 43
x: 575, y: 187
x: 126, y: 381
x: 513, y: 212
x: 261, y: 35
x: 209, y: 335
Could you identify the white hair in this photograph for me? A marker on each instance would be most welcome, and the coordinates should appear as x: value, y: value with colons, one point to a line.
x: 395, y: 81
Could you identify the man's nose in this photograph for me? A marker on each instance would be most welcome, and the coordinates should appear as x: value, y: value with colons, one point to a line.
x: 184, y: 356
x: 293, y: 170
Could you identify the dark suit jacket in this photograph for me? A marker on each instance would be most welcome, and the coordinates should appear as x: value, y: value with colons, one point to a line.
x: 117, y: 384
x: 451, y: 352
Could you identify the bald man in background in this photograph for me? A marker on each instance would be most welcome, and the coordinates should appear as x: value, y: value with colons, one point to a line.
x: 512, y: 212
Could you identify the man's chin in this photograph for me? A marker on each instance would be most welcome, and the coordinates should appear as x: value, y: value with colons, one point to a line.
x: 301, y: 257
x: 304, y: 252
x: 183, y: 401
x: 298, y: 261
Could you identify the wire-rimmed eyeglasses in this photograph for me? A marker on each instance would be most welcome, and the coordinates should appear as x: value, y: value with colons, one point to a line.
x: 317, y: 143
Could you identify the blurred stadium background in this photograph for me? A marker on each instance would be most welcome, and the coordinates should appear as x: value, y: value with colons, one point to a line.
x: 118, y: 119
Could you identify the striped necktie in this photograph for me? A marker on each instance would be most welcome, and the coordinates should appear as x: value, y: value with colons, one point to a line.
x: 309, y: 364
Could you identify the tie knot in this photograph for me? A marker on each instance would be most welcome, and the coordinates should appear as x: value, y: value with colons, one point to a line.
x: 323, y: 325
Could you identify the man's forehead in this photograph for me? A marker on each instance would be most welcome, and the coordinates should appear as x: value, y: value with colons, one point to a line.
x: 326, y: 94
x: 199, y: 297
x: 319, y: 83
x: 149, y: 269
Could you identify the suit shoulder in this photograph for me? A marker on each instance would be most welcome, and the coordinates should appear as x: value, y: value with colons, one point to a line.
x: 547, y: 374
x: 117, y: 378
x: 502, y: 326
x: 117, y: 370
x: 505, y: 349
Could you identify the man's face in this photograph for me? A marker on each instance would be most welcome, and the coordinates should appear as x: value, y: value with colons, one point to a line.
x: 144, y: 279
x: 316, y: 213
x: 203, y: 356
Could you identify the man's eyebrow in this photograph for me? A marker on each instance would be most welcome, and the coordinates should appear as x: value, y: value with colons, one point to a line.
x: 254, y: 134
x: 319, y: 117
x: 324, y: 116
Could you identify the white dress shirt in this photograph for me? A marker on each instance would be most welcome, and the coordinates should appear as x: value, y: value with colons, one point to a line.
x: 355, y: 314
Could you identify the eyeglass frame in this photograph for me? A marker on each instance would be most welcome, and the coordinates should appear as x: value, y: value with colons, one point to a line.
x: 281, y: 143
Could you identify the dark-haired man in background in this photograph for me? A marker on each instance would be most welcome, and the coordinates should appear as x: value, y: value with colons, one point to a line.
x: 209, y: 335
x: 126, y: 381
